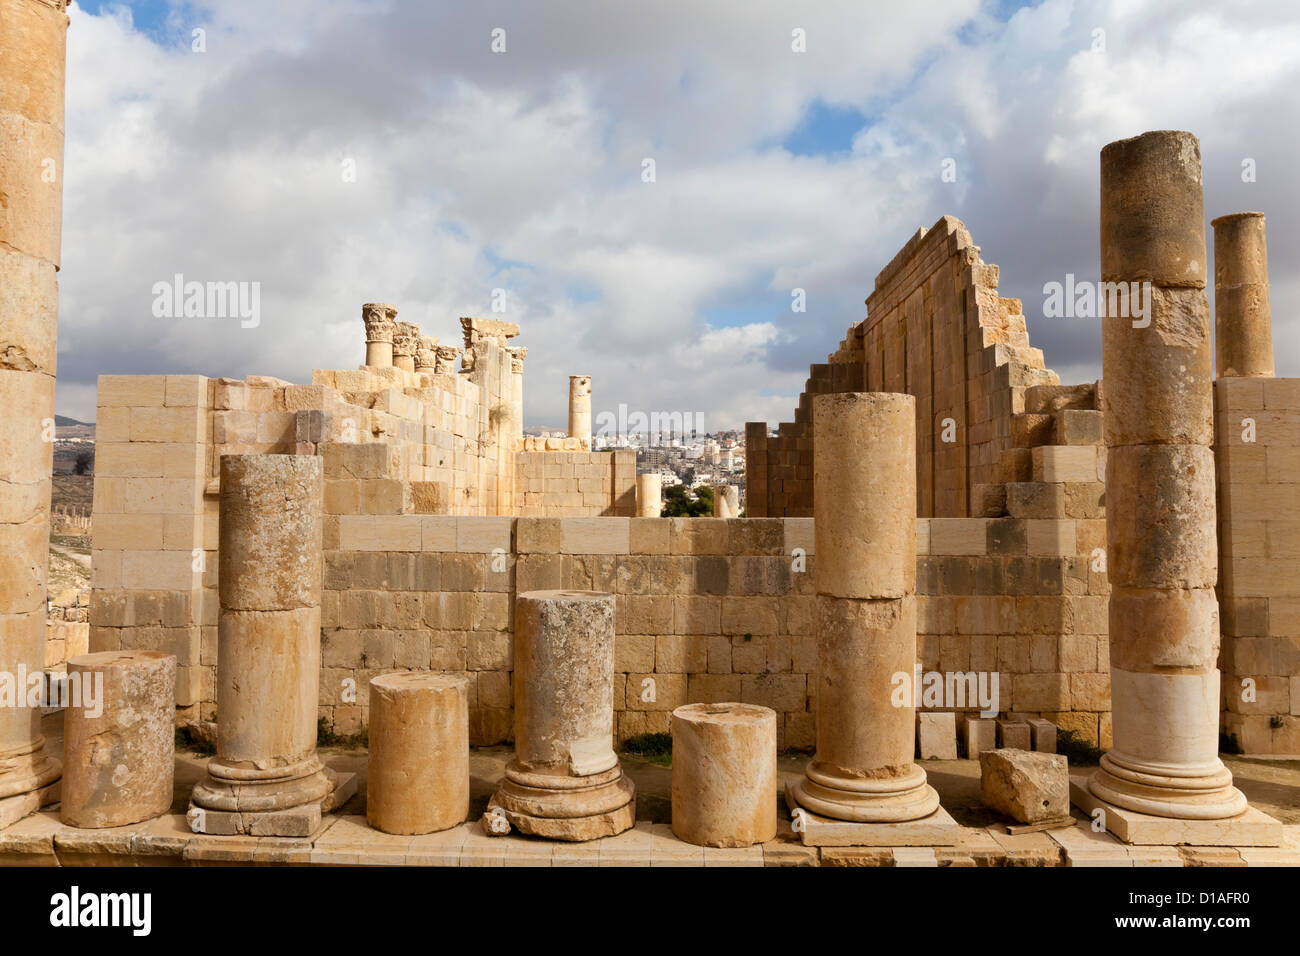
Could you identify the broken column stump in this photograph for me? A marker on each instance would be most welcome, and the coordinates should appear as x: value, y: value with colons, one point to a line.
x: 565, y: 781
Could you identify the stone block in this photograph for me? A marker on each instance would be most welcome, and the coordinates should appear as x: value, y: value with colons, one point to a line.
x: 1043, y: 734
x: 936, y: 735
x: 1028, y: 787
x: 1014, y: 735
x: 978, y: 735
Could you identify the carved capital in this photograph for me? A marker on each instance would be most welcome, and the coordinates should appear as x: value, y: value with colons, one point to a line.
x: 380, y: 321
x: 406, y: 339
x: 475, y: 329
x: 426, y: 353
x: 446, y: 356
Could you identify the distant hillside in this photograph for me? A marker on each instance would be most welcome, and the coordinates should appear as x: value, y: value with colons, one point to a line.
x: 73, y: 491
x: 64, y: 420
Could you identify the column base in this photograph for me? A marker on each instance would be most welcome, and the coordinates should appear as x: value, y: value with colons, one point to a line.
x: 22, y: 805
x: 937, y: 829
x: 1248, y: 828
x: 575, y: 809
x: 27, y: 770
x: 1178, y: 792
x: 273, y: 808
x: 864, y: 800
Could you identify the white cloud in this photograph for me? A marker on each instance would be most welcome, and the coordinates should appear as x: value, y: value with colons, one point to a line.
x: 522, y: 171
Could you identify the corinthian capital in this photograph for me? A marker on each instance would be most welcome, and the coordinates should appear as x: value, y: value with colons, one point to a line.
x: 380, y: 321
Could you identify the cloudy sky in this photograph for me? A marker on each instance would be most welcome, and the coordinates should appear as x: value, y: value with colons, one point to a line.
x: 523, y: 170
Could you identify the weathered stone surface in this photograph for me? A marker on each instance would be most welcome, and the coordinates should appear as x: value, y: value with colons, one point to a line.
x: 1160, y: 492
x: 1159, y: 375
x: 1152, y: 210
x: 649, y: 495
x: 118, y: 763
x: 724, y: 774
x: 936, y: 735
x: 580, y: 408
x: 268, y: 652
x: 865, y: 525
x: 864, y: 484
x: 418, y: 779
x: 381, y: 327
x: 1160, y: 511
x: 1029, y: 787
x: 1243, y: 327
x: 565, y: 781
x: 32, y: 55
x: 270, y: 532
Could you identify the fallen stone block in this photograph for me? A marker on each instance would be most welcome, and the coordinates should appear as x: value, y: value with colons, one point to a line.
x: 1028, y: 787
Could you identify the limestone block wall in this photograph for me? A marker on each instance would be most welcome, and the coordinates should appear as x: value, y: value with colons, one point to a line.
x: 67, y: 627
x: 574, y: 484
x: 154, y: 529
x: 936, y: 329
x: 1257, y: 458
x: 707, y: 610
x: 1024, y: 597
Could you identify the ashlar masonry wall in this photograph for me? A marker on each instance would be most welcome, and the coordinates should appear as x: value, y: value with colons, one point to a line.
x: 394, y: 442
x: 707, y: 610
x: 1257, y: 452
x: 936, y: 329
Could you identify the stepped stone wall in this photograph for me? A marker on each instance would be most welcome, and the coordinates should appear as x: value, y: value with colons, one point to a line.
x: 935, y: 329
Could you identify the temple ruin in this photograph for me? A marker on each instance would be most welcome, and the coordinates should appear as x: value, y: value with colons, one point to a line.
x: 383, y: 551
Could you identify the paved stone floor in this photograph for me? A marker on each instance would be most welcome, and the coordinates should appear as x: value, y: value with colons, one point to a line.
x: 1271, y: 785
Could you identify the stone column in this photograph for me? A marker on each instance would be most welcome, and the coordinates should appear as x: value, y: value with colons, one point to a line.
x: 1162, y: 558
x: 119, y: 738
x: 32, y: 34
x: 418, y: 778
x: 864, y: 499
x: 266, y: 779
x: 726, y: 501
x: 1243, y: 326
x: 517, y: 355
x: 381, y: 326
x: 446, y: 357
x: 724, y: 774
x: 565, y: 781
x: 406, y: 342
x: 580, y: 409
x: 426, y: 354
x: 649, y: 495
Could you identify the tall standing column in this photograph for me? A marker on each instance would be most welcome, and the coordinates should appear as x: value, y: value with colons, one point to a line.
x: 1160, y: 506
x: 864, y: 499
x: 381, y: 326
x: 517, y: 355
x: 32, y: 35
x: 1243, y: 325
x: 266, y: 779
x: 565, y: 781
x: 580, y: 408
